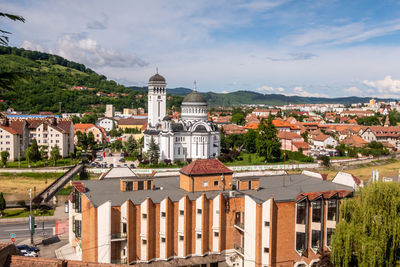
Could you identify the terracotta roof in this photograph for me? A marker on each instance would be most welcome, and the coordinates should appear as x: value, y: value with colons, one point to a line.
x: 18, y: 125
x: 321, y: 137
x: 132, y: 121
x: 83, y: 126
x: 8, y: 129
x: 204, y: 167
x: 282, y: 123
x: 288, y: 135
x: 79, y: 186
x: 251, y: 125
x: 302, y: 145
x: 354, y: 140
x: 324, y: 194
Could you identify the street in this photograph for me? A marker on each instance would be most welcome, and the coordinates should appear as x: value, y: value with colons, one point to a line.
x: 21, y: 230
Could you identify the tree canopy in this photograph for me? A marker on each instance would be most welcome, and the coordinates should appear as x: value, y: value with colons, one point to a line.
x: 267, y: 142
x: 368, y: 233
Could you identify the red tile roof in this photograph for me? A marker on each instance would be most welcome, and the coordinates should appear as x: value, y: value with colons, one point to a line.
x: 205, y: 167
x: 324, y: 194
x: 132, y: 121
x: 8, y: 129
x: 302, y: 145
x: 79, y: 186
x: 288, y: 135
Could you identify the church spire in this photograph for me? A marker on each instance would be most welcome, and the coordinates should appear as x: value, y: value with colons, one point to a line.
x: 194, y: 89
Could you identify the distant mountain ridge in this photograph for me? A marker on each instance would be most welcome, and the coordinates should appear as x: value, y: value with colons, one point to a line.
x: 250, y: 97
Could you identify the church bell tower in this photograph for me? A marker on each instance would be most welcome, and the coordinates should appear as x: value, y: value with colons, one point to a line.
x: 157, y: 99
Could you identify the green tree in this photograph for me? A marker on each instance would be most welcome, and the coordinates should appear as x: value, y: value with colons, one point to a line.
x: 131, y: 145
x: 326, y: 160
x: 368, y: 233
x: 90, y: 140
x: 267, y: 142
x: 238, y: 118
x: 89, y: 118
x: 28, y: 155
x: 249, y: 141
x: 3, y: 203
x: 154, y: 152
x: 76, y: 119
x: 55, y: 154
x: 35, y: 151
x: 116, y: 145
x: 4, y: 157
x: 305, y: 136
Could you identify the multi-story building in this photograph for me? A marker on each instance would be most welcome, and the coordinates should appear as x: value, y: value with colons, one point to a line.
x: 17, y: 134
x: 98, y: 132
x: 110, y: 111
x: 107, y: 123
x: 206, y: 215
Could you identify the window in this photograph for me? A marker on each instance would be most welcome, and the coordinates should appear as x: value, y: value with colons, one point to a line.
x: 249, y: 185
x: 140, y: 185
x: 124, y: 227
x: 144, y: 216
x: 316, y: 211
x: 266, y: 224
x: 329, y: 232
x: 332, y: 209
x: 198, y: 236
x: 179, y: 150
x: 77, y: 201
x: 266, y: 250
x: 77, y: 226
x: 205, y: 184
x: 315, y: 239
x: 181, y: 212
x: 129, y: 186
x: 216, y: 234
x: 215, y: 183
x: 198, y: 211
x: 300, y: 241
x: 144, y: 242
x: 301, y: 212
x: 181, y: 238
x: 162, y: 239
x: 148, y: 185
x: 163, y: 214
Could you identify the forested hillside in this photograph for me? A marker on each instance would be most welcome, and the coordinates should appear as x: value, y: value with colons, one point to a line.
x: 51, y: 79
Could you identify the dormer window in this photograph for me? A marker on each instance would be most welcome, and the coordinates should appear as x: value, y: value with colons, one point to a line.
x: 332, y: 210
x: 317, y: 211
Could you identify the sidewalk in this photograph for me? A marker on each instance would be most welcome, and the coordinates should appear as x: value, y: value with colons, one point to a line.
x: 59, y: 214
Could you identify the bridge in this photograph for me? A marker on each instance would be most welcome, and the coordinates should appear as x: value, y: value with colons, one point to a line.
x: 57, y: 185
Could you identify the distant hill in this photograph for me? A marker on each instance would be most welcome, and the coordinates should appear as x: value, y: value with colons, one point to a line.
x: 250, y: 97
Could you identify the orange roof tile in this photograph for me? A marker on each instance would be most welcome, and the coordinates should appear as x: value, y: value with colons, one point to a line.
x: 205, y: 167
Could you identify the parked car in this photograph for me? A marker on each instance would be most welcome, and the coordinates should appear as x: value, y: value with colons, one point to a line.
x: 121, y: 160
x: 132, y: 166
x: 104, y: 165
x: 28, y: 248
x: 111, y: 165
x: 122, y: 155
x: 125, y: 165
x: 110, y: 154
x: 99, y: 158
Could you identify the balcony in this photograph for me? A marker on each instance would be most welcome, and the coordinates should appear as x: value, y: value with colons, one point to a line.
x: 238, y: 249
x: 239, y: 225
x: 118, y: 237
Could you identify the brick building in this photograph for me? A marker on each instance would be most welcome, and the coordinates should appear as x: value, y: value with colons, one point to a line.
x: 205, y: 215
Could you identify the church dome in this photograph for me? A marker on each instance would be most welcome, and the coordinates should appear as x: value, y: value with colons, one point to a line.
x: 157, y: 78
x: 194, y: 97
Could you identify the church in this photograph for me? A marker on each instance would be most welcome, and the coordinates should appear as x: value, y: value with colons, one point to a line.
x: 191, y: 137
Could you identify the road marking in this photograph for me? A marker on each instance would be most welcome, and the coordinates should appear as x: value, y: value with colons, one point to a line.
x: 27, y: 229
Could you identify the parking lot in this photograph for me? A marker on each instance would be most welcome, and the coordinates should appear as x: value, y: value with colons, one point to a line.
x: 112, y: 160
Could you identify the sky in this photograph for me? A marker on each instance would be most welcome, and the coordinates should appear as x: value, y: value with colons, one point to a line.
x: 322, y: 48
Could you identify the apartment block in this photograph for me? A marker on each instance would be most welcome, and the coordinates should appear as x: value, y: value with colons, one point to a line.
x: 205, y: 216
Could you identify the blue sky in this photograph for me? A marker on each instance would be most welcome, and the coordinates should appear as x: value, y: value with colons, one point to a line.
x: 307, y: 48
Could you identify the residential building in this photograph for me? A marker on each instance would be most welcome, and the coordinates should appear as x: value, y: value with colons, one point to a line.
x: 324, y: 140
x: 131, y: 123
x: 293, y: 142
x: 14, y: 138
x: 107, y: 123
x: 205, y: 215
x: 98, y: 132
x: 382, y: 134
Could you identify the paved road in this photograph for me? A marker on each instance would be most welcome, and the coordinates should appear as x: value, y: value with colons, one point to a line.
x: 21, y: 230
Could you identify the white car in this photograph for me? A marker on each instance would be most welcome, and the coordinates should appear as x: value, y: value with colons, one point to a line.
x: 29, y: 253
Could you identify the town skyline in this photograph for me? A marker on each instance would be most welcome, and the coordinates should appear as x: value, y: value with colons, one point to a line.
x: 327, y: 49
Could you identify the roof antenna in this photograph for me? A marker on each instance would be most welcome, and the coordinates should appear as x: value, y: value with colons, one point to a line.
x: 194, y: 86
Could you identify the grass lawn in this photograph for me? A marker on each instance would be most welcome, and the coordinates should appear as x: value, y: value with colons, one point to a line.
x: 254, y: 159
x: 364, y: 172
x: 42, y: 163
x: 19, y: 213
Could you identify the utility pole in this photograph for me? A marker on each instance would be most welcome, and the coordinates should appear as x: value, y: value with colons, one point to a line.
x: 31, y: 218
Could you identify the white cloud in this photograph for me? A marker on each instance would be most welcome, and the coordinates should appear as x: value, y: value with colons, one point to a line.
x: 225, y: 92
x: 270, y: 89
x: 353, y: 91
x: 386, y: 86
x: 31, y: 46
x: 90, y: 52
x: 299, y: 91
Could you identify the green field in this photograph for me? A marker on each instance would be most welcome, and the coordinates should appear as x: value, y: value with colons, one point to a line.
x: 19, y: 213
